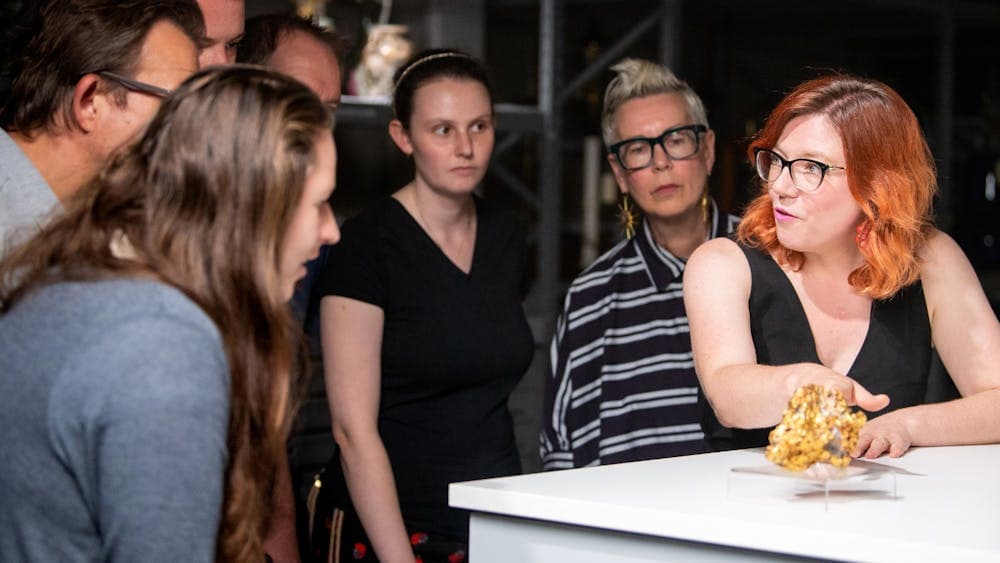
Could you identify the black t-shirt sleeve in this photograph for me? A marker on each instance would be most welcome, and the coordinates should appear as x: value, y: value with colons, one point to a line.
x: 354, y: 268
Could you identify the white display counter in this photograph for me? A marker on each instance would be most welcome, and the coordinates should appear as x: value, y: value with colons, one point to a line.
x: 946, y: 507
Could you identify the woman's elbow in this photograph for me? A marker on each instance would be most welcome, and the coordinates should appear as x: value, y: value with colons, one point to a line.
x: 721, y: 406
x: 353, y: 437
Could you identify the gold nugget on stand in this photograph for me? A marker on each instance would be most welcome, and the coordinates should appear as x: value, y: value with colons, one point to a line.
x: 817, y: 426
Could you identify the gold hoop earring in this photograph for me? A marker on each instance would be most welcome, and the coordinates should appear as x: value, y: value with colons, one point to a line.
x: 626, y: 215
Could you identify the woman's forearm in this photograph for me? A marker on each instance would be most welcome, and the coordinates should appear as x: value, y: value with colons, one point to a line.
x: 754, y: 396
x: 970, y: 420
x: 750, y: 395
x: 373, y: 492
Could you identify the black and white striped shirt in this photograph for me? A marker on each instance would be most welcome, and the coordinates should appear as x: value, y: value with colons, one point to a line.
x: 621, y: 385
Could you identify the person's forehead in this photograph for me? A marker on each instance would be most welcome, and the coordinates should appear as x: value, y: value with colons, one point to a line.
x: 308, y: 60
x: 223, y: 18
x: 167, y: 47
x: 650, y: 115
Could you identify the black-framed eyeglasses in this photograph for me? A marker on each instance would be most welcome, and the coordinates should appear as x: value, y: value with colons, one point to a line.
x: 135, y: 85
x: 807, y: 174
x: 679, y: 143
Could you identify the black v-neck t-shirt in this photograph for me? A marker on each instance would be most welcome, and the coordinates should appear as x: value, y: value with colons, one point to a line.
x: 454, y: 345
x: 894, y: 358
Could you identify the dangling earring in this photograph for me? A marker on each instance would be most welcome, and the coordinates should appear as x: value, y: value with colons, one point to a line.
x: 862, y: 233
x: 704, y: 205
x: 626, y: 215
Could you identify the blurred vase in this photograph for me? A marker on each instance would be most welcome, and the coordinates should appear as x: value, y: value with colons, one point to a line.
x: 387, y: 48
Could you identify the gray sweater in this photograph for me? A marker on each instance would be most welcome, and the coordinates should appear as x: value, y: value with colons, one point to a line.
x: 114, y: 400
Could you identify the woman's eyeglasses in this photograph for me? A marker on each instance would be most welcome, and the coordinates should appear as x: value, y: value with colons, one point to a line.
x: 807, y: 174
x: 679, y: 143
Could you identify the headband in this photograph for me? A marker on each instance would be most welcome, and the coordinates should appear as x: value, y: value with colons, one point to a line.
x: 425, y: 59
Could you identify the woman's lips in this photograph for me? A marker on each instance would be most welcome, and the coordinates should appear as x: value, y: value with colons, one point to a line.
x: 666, y: 189
x: 782, y: 215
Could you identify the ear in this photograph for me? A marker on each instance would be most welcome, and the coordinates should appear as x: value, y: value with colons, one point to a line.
x: 400, y: 136
x: 618, y: 172
x: 709, y: 142
x: 88, y: 103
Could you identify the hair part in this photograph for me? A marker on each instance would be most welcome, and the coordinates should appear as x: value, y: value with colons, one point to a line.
x: 638, y: 78
x: 62, y: 40
x: 263, y: 34
x: 890, y: 173
x: 222, y: 165
x: 428, y: 66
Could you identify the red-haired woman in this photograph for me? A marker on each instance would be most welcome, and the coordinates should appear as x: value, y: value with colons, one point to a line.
x: 838, y: 277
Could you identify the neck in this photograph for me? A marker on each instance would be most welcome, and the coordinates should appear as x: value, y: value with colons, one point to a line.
x: 60, y: 161
x: 680, y: 235
x: 439, y: 212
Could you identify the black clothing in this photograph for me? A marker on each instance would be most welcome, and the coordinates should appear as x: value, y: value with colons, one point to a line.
x: 454, y: 345
x: 894, y: 359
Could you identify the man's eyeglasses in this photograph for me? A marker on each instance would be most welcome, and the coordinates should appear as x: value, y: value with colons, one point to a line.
x: 807, y: 174
x: 679, y: 143
x: 135, y: 85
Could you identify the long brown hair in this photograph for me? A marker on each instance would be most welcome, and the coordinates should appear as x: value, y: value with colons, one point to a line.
x: 890, y: 173
x: 201, y: 202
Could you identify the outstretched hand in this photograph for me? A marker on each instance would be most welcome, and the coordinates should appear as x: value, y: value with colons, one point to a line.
x: 854, y: 393
x: 887, y: 434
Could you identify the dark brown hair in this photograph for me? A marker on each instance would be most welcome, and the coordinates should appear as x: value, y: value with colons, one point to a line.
x: 890, y: 173
x: 262, y: 34
x: 203, y: 200
x: 62, y: 40
x: 433, y: 64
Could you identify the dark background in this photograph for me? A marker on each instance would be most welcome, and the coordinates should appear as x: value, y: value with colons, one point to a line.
x: 741, y: 57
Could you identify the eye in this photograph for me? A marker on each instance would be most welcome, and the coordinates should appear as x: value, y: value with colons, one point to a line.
x: 636, y: 148
x: 442, y: 130
x: 234, y: 43
x: 810, y: 167
x: 677, y: 140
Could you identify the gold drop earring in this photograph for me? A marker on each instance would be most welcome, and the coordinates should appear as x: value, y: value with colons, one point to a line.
x: 626, y: 214
x: 703, y: 202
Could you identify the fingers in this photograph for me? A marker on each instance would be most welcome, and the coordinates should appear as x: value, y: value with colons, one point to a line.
x: 877, y: 447
x: 863, y: 442
x: 871, y: 403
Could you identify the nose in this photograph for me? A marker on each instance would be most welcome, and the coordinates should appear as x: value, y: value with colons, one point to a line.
x: 329, y: 231
x: 783, y: 185
x: 661, y: 160
x: 463, y: 144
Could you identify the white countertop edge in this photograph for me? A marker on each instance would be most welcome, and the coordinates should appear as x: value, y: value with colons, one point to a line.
x: 705, y: 528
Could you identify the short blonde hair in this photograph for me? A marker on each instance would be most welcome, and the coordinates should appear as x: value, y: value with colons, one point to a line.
x: 638, y: 78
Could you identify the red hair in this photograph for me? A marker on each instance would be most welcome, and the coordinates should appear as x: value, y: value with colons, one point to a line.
x: 890, y: 173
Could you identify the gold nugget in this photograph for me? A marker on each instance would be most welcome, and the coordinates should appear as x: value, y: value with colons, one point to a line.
x: 817, y: 426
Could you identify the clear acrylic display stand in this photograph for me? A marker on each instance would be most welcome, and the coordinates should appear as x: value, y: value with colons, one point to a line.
x: 822, y: 482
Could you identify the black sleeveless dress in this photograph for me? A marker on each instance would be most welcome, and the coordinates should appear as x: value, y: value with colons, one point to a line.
x: 894, y: 359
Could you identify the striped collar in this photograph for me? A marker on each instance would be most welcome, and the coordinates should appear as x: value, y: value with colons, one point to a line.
x: 663, y: 268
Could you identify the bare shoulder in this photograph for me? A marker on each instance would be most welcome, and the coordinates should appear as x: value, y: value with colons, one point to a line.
x: 945, y: 273
x: 941, y: 258
x: 718, y: 261
x: 718, y: 253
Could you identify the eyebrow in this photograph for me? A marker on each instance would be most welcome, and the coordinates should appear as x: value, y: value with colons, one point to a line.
x: 664, y: 130
x: 822, y: 158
